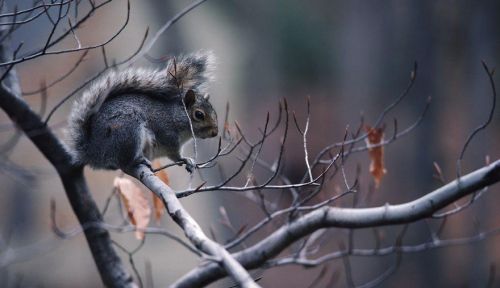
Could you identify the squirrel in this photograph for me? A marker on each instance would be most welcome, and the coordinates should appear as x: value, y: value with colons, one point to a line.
x: 132, y: 116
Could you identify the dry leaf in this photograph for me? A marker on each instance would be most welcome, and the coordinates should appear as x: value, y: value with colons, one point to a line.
x: 376, y: 136
x: 158, y: 206
x: 138, y: 209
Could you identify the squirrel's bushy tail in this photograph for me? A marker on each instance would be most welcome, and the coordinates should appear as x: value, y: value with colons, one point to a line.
x: 192, y: 71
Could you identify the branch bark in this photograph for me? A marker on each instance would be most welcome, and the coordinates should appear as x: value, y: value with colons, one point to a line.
x: 191, y: 229
x: 109, y: 265
x: 328, y: 217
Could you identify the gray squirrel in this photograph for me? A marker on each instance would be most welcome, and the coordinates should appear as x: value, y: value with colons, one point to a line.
x: 132, y: 116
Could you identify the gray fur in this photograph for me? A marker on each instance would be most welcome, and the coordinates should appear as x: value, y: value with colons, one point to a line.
x: 133, y: 114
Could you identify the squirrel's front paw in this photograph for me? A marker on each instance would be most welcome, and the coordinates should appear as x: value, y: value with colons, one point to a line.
x: 190, y: 164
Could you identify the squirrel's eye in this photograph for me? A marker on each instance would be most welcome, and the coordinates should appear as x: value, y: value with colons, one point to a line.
x: 199, y: 115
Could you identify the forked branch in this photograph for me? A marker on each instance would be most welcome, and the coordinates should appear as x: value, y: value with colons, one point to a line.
x: 327, y: 217
x: 191, y: 228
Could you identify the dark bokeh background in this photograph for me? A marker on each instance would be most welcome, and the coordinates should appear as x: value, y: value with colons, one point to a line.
x: 350, y: 57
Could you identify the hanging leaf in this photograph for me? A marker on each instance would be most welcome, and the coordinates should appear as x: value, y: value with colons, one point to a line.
x: 375, y: 137
x: 158, y: 206
x: 138, y: 209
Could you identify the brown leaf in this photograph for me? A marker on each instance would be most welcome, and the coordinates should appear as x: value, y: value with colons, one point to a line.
x: 138, y: 209
x: 158, y: 206
x: 375, y: 137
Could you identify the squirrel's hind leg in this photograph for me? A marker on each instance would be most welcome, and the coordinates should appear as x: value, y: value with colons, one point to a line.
x: 122, y: 141
x: 142, y: 143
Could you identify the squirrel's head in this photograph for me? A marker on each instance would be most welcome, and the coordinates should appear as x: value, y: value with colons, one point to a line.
x: 202, y: 114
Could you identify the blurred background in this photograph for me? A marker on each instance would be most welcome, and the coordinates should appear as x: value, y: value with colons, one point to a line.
x: 352, y: 58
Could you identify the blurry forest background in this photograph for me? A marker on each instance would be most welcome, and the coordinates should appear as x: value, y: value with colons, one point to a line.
x: 350, y: 57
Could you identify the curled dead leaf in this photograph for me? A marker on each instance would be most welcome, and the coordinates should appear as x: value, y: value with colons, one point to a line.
x: 138, y: 209
x: 376, y: 153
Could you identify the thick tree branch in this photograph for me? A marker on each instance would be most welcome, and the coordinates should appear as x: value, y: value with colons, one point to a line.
x: 327, y: 217
x: 191, y: 229
x: 110, y: 266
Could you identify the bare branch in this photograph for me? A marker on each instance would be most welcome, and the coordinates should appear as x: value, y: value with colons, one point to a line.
x: 88, y: 81
x: 108, y: 263
x: 418, y: 209
x: 488, y: 120
x: 166, y: 26
x: 65, y: 51
x: 62, y: 77
x: 191, y: 229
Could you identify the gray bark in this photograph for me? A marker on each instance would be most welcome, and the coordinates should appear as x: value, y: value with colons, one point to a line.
x: 192, y: 230
x: 109, y: 265
x: 327, y: 217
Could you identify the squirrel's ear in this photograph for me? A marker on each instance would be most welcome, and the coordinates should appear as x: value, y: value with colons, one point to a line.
x: 206, y: 97
x: 189, y: 98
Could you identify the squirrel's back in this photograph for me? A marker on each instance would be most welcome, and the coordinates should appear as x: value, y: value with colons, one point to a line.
x: 190, y: 72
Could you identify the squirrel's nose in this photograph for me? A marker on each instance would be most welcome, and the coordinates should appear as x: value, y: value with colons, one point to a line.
x: 214, y: 132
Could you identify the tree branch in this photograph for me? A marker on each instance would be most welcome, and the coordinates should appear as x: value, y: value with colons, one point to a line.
x: 110, y: 266
x: 326, y: 217
x: 191, y: 229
